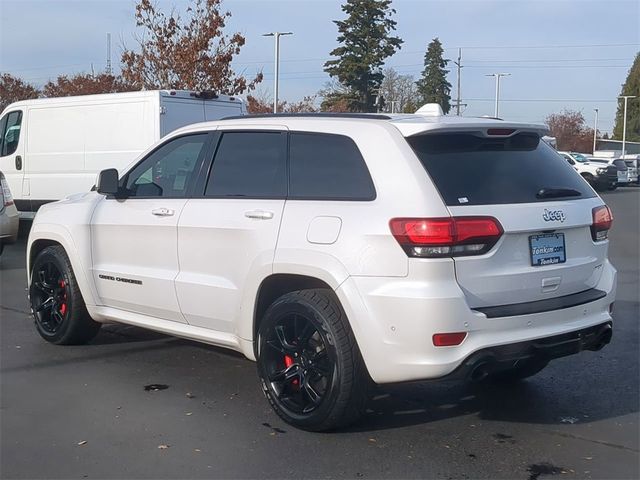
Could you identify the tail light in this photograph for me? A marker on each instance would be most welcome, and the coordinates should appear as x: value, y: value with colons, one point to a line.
x: 6, y: 193
x: 602, y: 221
x: 446, y: 237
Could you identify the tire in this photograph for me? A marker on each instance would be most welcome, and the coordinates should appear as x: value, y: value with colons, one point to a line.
x: 301, y: 328
x: 57, y: 305
x: 518, y: 373
x: 1, y: 247
x: 612, y: 187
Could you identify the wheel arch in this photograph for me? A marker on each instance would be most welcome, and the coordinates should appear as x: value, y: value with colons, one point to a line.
x: 39, y: 239
x: 274, y: 286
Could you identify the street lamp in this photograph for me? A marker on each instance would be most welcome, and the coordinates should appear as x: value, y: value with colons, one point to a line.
x: 497, y: 75
x: 277, y: 36
x: 624, y: 123
x: 595, y: 131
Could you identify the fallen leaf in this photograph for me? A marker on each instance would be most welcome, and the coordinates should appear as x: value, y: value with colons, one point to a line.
x: 588, y: 458
x: 163, y: 447
x: 570, y: 420
x: 83, y: 442
x: 190, y: 395
x: 189, y: 414
x: 373, y: 440
x: 197, y: 450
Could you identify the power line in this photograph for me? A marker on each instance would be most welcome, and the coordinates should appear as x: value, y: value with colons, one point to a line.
x: 541, y: 100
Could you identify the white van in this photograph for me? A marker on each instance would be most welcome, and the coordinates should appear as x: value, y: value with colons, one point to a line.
x: 51, y: 148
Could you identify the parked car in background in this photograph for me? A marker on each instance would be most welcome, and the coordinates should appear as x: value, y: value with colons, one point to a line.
x: 53, y: 147
x: 600, y: 177
x: 9, y: 218
x: 622, y: 171
x: 633, y: 164
x: 337, y: 250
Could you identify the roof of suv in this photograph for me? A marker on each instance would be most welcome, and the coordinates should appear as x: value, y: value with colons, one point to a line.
x: 408, y: 124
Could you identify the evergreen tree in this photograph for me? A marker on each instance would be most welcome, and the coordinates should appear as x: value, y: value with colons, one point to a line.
x: 631, y: 87
x: 433, y: 87
x: 365, y: 42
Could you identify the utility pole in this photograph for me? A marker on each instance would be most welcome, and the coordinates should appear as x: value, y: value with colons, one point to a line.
x: 108, y: 69
x: 595, y: 131
x: 277, y: 36
x: 458, y: 64
x: 624, y: 123
x: 497, y: 76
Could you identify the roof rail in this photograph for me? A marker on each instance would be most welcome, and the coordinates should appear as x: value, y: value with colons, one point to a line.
x: 365, y: 116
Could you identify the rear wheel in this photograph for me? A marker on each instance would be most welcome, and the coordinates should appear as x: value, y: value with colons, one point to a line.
x: 56, y: 302
x: 309, y: 364
x: 518, y: 373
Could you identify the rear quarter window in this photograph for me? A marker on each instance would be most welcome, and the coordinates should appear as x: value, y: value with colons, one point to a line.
x: 327, y: 167
x: 470, y: 169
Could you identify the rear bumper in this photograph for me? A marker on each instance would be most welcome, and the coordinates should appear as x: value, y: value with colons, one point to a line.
x: 503, y: 357
x: 394, y: 320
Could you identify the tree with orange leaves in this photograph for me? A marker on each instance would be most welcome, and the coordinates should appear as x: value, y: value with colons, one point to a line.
x: 192, y: 54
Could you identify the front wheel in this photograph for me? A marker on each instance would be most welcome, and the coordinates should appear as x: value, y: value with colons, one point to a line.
x: 309, y: 364
x: 56, y: 302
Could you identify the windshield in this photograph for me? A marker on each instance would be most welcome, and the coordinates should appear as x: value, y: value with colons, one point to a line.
x: 475, y: 170
x: 578, y: 157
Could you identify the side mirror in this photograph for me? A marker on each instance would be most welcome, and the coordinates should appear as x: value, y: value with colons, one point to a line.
x: 108, y: 183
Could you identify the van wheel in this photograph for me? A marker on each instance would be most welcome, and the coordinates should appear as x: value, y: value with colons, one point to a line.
x: 56, y: 302
x: 518, y: 373
x: 309, y: 364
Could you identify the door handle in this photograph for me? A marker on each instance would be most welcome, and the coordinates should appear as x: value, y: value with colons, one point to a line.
x: 163, y: 212
x: 18, y: 162
x: 259, y: 214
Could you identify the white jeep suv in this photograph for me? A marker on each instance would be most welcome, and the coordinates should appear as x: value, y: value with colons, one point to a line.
x: 337, y: 250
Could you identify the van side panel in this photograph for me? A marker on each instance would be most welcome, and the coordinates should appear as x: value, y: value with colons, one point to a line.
x: 69, y: 144
x: 116, y: 134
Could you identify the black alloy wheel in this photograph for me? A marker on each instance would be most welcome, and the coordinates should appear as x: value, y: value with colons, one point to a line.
x: 49, y: 297
x: 298, y: 365
x: 58, y: 308
x: 309, y: 363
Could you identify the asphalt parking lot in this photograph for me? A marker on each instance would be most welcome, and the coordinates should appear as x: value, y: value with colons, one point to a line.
x: 83, y: 412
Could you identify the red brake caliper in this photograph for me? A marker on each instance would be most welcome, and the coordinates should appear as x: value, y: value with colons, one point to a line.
x: 288, y: 361
x: 63, y: 306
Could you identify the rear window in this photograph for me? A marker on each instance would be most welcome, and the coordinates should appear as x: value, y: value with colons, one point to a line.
x: 473, y: 170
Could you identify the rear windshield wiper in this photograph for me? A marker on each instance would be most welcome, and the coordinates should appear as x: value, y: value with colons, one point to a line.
x: 557, y: 192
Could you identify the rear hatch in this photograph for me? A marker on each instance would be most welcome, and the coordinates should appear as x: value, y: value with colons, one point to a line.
x: 542, y: 204
x: 623, y: 171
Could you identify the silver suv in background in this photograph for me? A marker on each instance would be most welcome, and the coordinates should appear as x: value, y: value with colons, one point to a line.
x: 9, y: 219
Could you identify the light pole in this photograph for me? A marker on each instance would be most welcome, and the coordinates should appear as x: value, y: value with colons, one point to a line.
x: 624, y: 123
x: 497, y: 75
x: 595, y: 131
x: 277, y: 36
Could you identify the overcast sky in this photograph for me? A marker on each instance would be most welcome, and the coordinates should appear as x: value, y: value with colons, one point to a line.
x: 571, y: 54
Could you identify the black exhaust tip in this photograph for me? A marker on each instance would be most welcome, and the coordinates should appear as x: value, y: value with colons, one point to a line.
x: 604, y: 338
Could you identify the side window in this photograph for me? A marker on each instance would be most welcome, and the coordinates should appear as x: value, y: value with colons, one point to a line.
x: 10, y: 133
x: 249, y: 164
x: 169, y: 170
x: 326, y: 166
